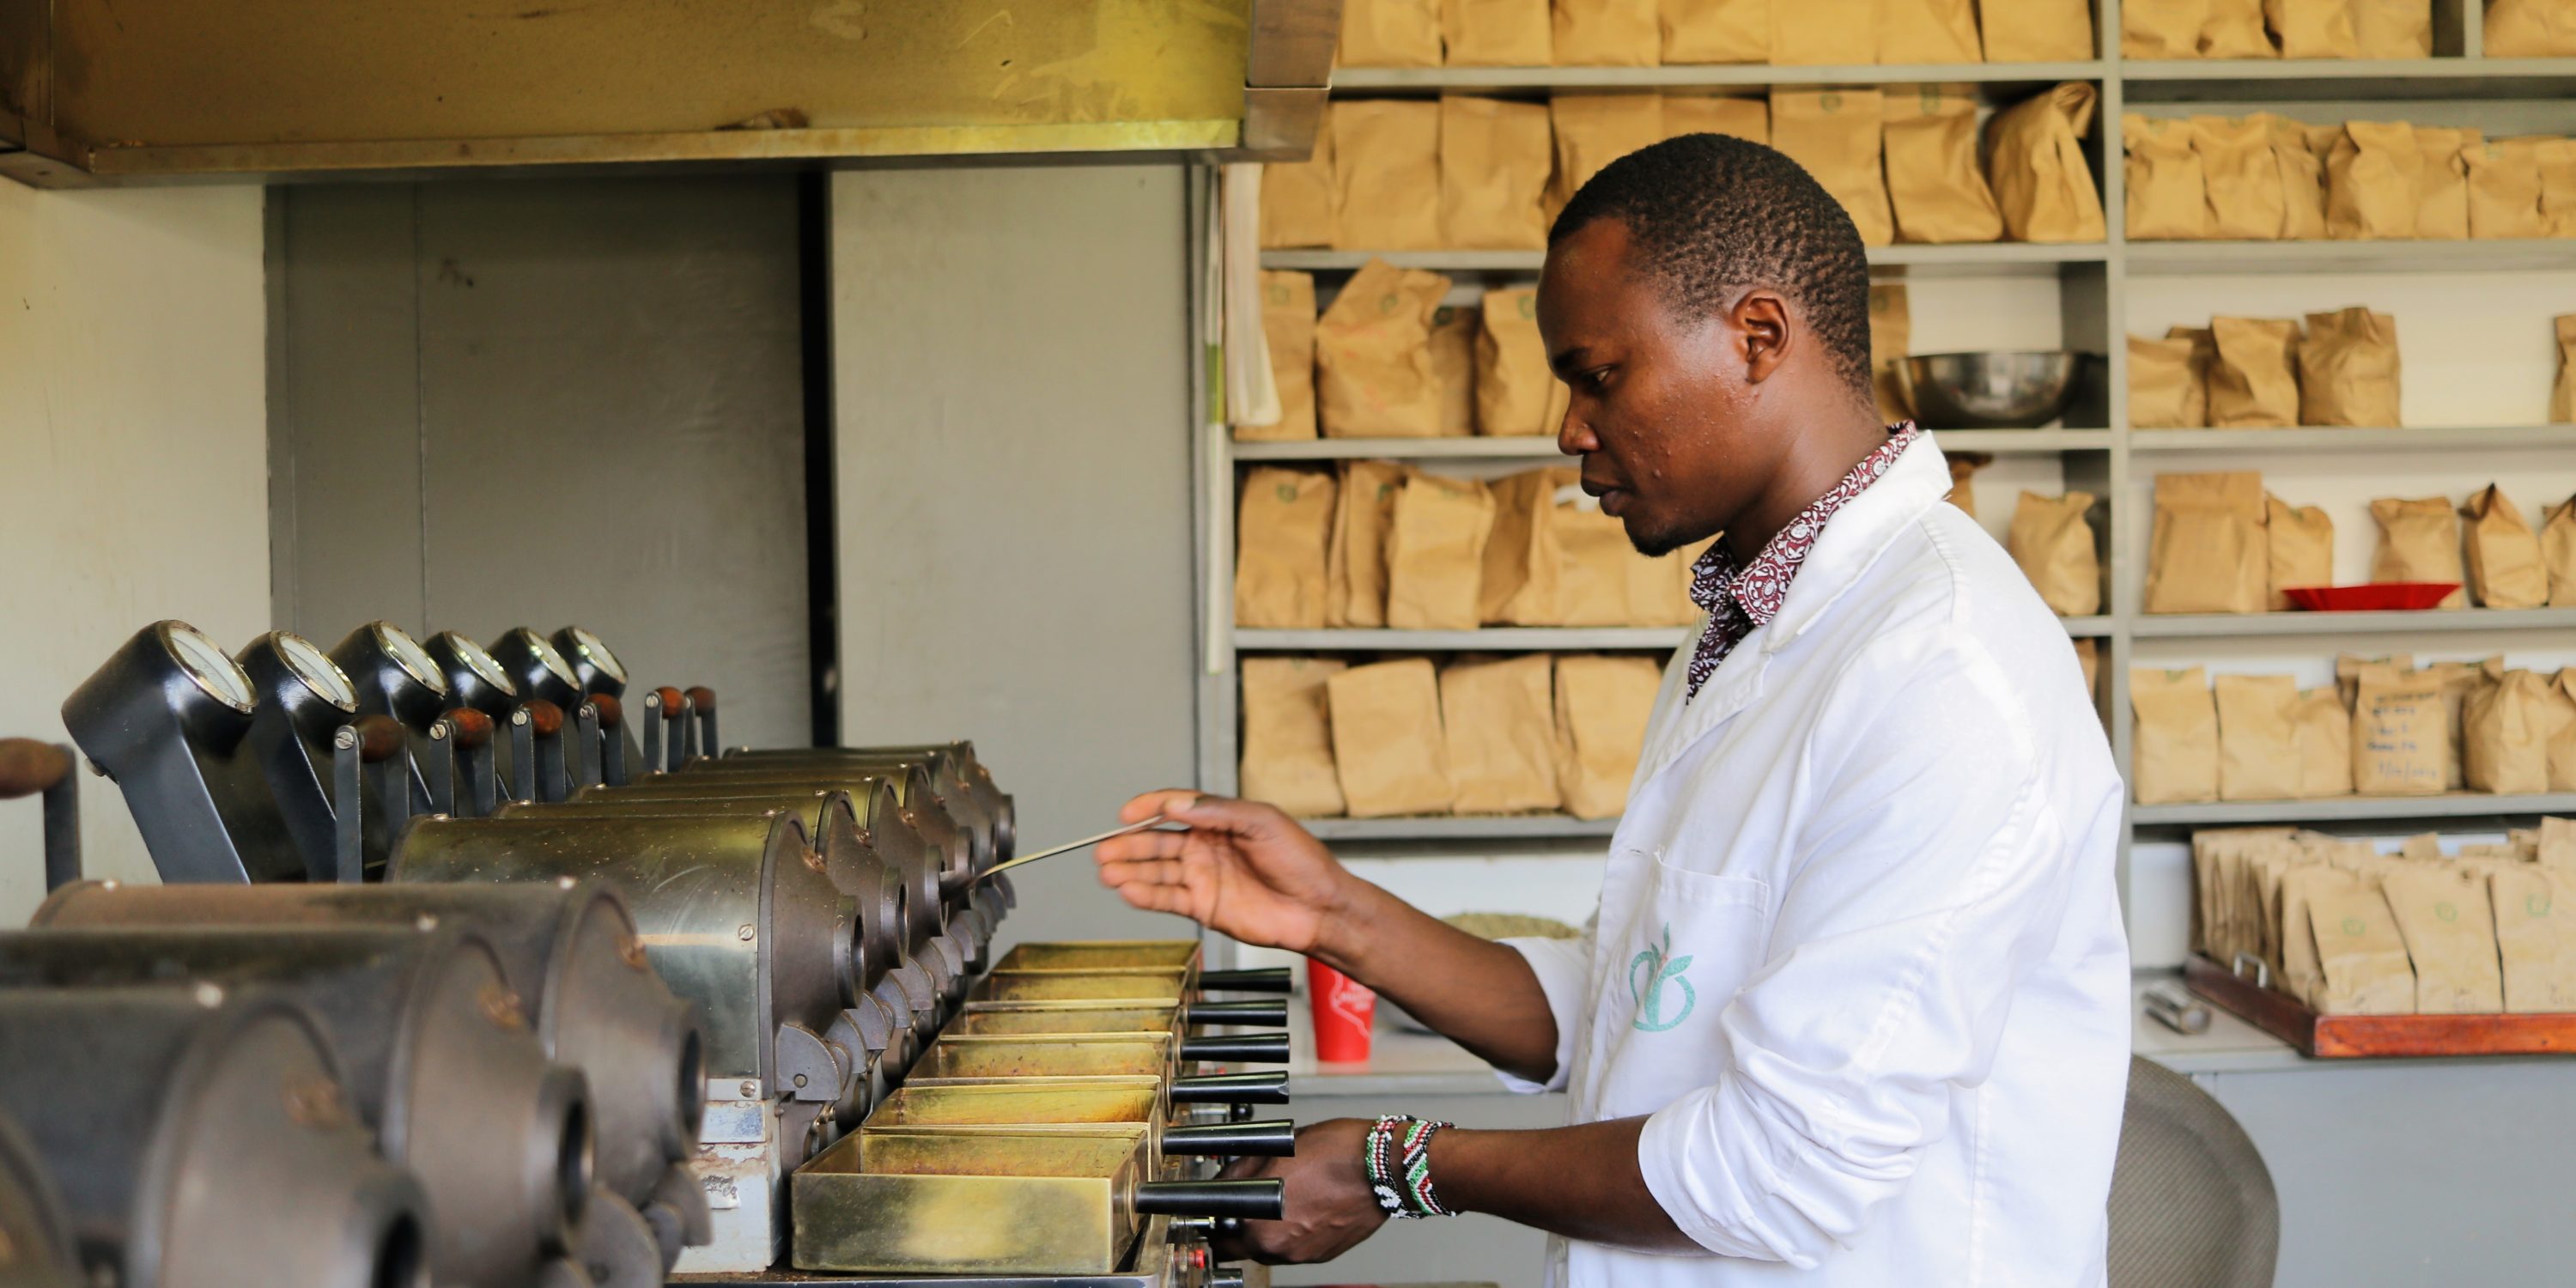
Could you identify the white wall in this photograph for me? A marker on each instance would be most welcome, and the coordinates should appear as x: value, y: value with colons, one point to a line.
x: 133, y: 471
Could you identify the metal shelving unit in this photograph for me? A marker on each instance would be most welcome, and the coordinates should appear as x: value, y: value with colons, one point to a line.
x: 2515, y: 95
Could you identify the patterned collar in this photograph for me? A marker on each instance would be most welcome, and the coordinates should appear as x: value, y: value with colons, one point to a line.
x: 1739, y: 597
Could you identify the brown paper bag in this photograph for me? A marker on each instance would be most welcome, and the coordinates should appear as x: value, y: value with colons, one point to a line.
x: 1388, y: 747
x: 1501, y: 726
x: 1891, y: 326
x: 1963, y: 479
x: 1716, y: 31
x: 1929, y: 31
x: 1829, y: 32
x: 2175, y: 736
x: 1285, y: 519
x: 2207, y: 553
x: 1512, y: 377
x: 1494, y: 162
x: 2401, y: 738
x: 2371, y: 178
x: 1933, y: 183
x: 1297, y: 197
x: 1288, y: 735
x: 1288, y: 328
x: 2449, y: 928
x: 2558, y: 185
x: 2419, y: 540
x: 2253, y: 376
x: 2504, y: 189
x: 2393, y: 28
x: 2459, y: 680
x: 2302, y: 974
x: 2312, y: 28
x: 1453, y: 367
x: 2505, y: 733
x: 2535, y: 926
x: 1659, y: 589
x: 2505, y: 566
x: 1593, y: 580
x: 1607, y: 33
x: 1602, y: 704
x: 2301, y: 541
x: 1743, y: 118
x: 2562, y: 392
x: 1496, y: 33
x: 1390, y: 33
x: 1386, y: 174
x: 2348, y: 371
x: 2053, y: 543
x: 2360, y: 953
x: 1373, y: 372
x: 2088, y: 655
x: 2349, y: 666
x: 2561, y: 723
x: 2234, y: 29
x: 2204, y: 359
x: 1835, y: 134
x: 2442, y: 185
x: 1523, y: 566
x: 2168, y: 193
x: 1355, y: 561
x: 2324, y: 730
x: 2558, y: 553
x: 2156, y: 29
x: 2164, y: 393
x: 2036, y: 31
x: 2258, y: 741
x: 2245, y: 193
x: 2530, y: 29
x: 1593, y: 130
x: 1435, y: 553
x: 2035, y: 156
x: 2303, y: 177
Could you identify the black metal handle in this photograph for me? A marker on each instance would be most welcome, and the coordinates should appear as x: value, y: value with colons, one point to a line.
x: 1236, y: 1048
x: 1266, y: 1013
x: 1261, y: 1200
x: 1231, y: 1089
x: 1272, y: 1138
x: 1265, y: 979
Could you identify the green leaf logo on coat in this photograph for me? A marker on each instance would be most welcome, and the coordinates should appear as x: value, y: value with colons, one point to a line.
x: 1659, y: 967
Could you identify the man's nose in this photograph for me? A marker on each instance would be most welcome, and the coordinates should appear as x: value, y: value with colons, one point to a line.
x: 1574, y: 435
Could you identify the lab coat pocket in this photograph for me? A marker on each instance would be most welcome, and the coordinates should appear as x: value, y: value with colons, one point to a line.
x: 1697, y: 940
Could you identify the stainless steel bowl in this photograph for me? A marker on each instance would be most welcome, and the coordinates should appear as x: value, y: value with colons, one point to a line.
x: 1992, y: 390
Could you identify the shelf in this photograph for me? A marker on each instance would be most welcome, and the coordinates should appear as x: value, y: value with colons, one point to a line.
x: 2009, y: 441
x: 2340, y: 79
x: 1527, y: 639
x: 2355, y: 809
x: 2180, y: 258
x: 2247, y: 625
x: 1981, y: 258
x: 1537, y: 447
x: 1463, y: 828
x: 2351, y: 440
x: 1426, y: 80
x: 2086, y: 628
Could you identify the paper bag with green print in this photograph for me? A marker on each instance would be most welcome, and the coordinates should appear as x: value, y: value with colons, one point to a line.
x: 1835, y: 134
x: 2448, y: 925
x: 1355, y: 562
x: 2175, y: 739
x: 2535, y: 923
x: 2360, y: 954
x: 1435, y: 553
x: 1373, y: 369
x: 1280, y: 535
x: 1288, y: 736
x: 1288, y: 328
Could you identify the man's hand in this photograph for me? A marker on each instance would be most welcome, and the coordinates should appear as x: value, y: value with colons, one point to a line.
x: 1242, y: 868
x: 1330, y: 1208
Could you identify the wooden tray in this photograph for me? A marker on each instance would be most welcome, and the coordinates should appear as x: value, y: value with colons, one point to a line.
x: 2348, y: 1036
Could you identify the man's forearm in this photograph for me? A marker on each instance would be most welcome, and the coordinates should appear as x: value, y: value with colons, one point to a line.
x: 1478, y: 994
x: 1582, y: 1182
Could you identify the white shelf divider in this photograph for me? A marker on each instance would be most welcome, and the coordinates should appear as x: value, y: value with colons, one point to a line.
x: 2266, y: 625
x: 1459, y: 827
x: 1492, y: 639
x: 2314, y: 439
x: 2354, y: 809
x: 1535, y: 447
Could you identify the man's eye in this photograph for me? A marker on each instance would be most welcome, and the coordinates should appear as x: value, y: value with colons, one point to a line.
x: 1597, y: 378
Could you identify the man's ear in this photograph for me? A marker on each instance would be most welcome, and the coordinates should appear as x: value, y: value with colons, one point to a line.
x: 1761, y: 325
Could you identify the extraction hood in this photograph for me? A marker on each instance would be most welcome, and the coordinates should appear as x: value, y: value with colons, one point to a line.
x: 138, y: 91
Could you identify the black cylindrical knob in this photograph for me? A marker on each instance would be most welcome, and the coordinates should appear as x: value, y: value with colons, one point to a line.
x: 1231, y: 1089
x: 1265, y: 979
x: 1259, y: 1200
x: 1265, y: 1013
x: 1236, y: 1048
x: 1272, y: 1138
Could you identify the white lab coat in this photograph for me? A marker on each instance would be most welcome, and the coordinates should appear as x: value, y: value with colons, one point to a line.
x: 1859, y: 953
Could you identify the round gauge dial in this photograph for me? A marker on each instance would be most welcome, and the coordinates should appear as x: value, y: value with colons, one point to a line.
x: 209, y: 667
x: 479, y: 662
x: 554, y: 661
x: 597, y: 652
x: 411, y: 655
x: 317, y: 670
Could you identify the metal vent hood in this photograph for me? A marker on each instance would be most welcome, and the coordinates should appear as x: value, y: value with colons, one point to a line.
x: 138, y: 91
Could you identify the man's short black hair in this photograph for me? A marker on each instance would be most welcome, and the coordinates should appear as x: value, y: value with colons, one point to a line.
x: 1709, y: 215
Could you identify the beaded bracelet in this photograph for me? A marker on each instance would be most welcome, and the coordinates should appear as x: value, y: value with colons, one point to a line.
x: 1397, y: 1158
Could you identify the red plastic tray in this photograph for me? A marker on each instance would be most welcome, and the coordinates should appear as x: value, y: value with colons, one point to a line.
x: 2375, y: 597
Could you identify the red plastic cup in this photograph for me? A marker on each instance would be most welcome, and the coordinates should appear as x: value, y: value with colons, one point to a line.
x: 1345, y: 1009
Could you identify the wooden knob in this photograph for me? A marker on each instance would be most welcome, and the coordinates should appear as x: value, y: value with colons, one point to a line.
x: 378, y: 738
x: 703, y: 697
x: 28, y: 767
x: 611, y: 715
x: 469, y: 728
x: 670, y: 700
x: 545, y: 719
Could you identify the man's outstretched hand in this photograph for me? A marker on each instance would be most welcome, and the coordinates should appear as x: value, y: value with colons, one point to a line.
x: 1330, y: 1205
x: 1242, y: 868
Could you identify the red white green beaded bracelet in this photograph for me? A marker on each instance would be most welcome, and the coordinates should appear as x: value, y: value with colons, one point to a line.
x: 1397, y: 1158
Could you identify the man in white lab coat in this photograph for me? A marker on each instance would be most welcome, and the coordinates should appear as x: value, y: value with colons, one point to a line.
x: 1854, y: 1008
